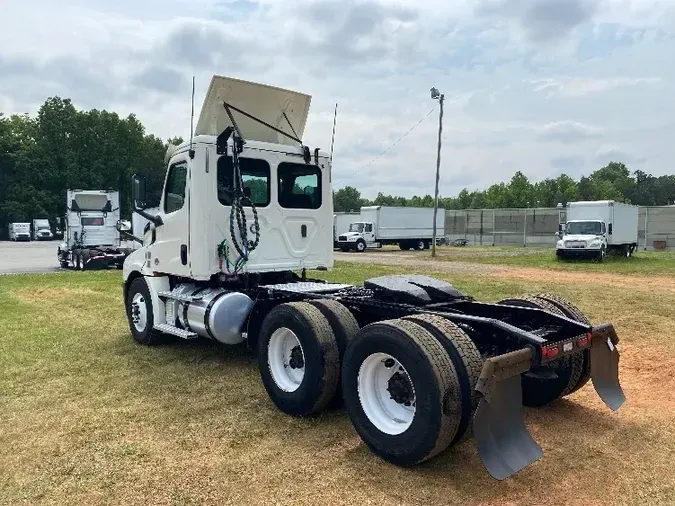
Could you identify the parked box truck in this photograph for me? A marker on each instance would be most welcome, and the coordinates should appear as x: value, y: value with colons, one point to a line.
x: 595, y: 228
x: 409, y: 227
x: 19, y: 231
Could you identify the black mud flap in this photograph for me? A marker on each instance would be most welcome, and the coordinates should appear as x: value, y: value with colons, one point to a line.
x: 504, y: 444
x: 605, y: 366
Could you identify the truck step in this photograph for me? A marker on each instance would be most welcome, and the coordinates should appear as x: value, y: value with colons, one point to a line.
x: 176, y: 295
x: 175, y: 331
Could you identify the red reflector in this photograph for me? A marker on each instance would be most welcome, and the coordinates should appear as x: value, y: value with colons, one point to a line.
x: 583, y: 341
x: 550, y: 352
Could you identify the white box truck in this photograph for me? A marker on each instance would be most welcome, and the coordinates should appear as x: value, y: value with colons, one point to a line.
x: 341, y: 222
x: 19, y: 231
x: 409, y: 227
x: 41, y: 230
x: 415, y: 363
x: 91, y: 237
x: 596, y: 228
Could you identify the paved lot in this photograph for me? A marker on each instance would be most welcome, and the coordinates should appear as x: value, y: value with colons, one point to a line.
x: 34, y: 256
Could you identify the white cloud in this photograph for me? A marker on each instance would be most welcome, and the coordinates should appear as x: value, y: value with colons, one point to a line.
x: 541, y: 87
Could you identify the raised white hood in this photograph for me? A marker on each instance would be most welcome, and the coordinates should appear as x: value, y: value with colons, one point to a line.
x: 267, y: 103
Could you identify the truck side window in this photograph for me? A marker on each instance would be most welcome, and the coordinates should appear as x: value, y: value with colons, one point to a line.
x: 174, y: 198
x: 369, y: 227
x: 299, y: 186
x: 255, y: 174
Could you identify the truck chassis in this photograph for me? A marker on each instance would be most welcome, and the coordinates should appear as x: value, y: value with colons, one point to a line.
x: 91, y: 258
x: 394, y: 347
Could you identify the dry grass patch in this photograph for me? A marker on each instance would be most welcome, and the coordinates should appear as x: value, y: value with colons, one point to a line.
x: 89, y: 417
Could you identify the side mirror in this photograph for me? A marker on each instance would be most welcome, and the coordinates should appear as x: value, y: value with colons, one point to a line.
x: 560, y: 227
x: 138, y: 194
x: 609, y: 230
x: 138, y: 197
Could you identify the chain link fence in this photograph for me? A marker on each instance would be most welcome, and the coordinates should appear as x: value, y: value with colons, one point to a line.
x: 538, y: 227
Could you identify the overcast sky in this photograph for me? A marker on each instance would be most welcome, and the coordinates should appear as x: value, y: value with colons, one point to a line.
x: 544, y: 86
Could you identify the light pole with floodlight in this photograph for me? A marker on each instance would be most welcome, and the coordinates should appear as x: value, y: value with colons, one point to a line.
x: 437, y: 95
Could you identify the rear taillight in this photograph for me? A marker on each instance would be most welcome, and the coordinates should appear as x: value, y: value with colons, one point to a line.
x: 584, y: 340
x: 550, y: 351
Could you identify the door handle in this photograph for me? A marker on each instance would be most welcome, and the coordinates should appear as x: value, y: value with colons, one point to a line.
x: 183, y: 254
x: 303, y: 230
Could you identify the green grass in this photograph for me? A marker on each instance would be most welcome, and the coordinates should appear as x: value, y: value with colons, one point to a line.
x: 643, y: 262
x: 89, y: 417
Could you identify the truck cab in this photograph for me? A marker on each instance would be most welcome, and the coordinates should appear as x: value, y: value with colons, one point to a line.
x: 361, y: 235
x: 582, y: 238
x: 42, y: 230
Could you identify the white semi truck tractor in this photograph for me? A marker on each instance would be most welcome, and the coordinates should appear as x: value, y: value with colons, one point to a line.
x: 91, y: 238
x: 246, y: 215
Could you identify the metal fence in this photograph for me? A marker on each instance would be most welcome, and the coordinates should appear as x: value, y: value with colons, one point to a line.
x: 538, y: 226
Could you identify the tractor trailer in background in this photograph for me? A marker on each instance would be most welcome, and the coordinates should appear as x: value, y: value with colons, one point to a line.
x: 244, y: 220
x: 596, y: 228
x: 91, y: 238
x: 42, y: 230
x: 376, y: 226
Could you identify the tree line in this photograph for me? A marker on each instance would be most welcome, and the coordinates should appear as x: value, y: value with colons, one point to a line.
x: 62, y: 147
x: 614, y: 181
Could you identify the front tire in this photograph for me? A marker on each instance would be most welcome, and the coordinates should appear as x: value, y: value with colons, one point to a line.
x: 298, y: 358
x: 401, y: 392
x: 140, y: 314
x: 360, y: 246
x: 419, y: 246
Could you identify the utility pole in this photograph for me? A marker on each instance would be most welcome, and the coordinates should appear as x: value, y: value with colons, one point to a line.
x: 436, y: 95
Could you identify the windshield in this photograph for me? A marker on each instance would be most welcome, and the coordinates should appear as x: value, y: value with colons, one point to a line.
x: 584, y: 228
x: 356, y: 227
x: 92, y: 222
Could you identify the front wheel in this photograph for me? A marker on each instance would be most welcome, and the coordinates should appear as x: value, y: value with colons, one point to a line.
x: 420, y: 245
x: 140, y: 314
x: 360, y: 245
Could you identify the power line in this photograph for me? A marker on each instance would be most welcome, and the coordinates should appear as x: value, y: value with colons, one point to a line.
x: 386, y: 150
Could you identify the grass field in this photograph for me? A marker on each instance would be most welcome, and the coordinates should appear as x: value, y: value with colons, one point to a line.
x: 89, y: 417
x: 643, y: 263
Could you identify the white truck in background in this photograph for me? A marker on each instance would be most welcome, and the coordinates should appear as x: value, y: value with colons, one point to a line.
x: 41, y: 230
x: 409, y: 227
x: 596, y: 228
x: 91, y: 237
x: 341, y: 222
x: 19, y: 231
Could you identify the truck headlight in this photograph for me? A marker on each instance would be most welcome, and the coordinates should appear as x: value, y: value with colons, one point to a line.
x: 560, y: 244
x: 595, y: 244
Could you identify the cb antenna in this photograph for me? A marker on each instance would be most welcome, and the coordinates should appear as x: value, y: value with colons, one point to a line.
x: 332, y: 141
x: 191, y: 152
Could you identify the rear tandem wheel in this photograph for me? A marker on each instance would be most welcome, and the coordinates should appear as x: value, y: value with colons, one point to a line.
x: 539, y: 390
x: 401, y: 391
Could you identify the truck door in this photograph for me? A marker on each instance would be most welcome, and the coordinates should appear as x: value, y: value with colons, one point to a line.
x: 368, y: 233
x: 170, y: 252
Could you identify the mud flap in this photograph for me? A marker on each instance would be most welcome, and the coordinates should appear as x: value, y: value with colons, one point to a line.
x: 605, y: 366
x: 504, y: 444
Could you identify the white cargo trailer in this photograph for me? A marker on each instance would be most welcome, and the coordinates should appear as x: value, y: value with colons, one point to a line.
x: 341, y: 222
x: 409, y: 227
x: 595, y: 228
